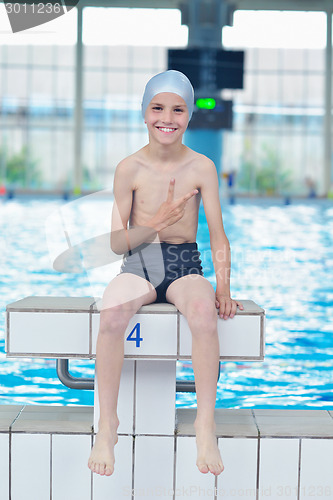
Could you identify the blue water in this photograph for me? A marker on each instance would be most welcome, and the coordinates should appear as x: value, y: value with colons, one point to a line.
x: 282, y: 258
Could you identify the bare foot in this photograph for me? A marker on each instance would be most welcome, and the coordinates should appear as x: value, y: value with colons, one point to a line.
x: 208, y: 457
x: 101, y: 460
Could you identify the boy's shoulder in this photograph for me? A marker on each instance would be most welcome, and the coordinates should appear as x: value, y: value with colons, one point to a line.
x: 200, y: 160
x: 129, y: 164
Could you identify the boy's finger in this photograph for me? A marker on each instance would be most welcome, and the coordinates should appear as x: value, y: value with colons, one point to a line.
x: 171, y: 190
x: 221, y: 309
x: 227, y: 310
x: 233, y: 309
x: 189, y: 195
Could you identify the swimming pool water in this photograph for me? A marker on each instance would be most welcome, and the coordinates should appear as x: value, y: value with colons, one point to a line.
x: 282, y: 258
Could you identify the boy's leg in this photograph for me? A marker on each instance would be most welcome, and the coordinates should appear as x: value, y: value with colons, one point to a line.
x: 122, y: 298
x: 194, y: 296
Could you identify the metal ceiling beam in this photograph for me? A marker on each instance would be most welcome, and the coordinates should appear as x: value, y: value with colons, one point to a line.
x: 145, y: 4
x: 294, y: 5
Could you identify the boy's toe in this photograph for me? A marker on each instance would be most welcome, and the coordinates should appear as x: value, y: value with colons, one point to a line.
x: 98, y: 468
x: 203, y: 468
x: 216, y: 469
x: 108, y: 470
x: 212, y: 468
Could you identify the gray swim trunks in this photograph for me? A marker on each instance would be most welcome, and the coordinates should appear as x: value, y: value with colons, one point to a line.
x: 163, y: 263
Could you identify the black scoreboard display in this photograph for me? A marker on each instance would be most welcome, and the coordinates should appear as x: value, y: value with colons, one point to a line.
x: 224, y: 68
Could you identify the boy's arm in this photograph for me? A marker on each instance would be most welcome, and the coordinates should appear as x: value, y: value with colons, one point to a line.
x: 218, y: 240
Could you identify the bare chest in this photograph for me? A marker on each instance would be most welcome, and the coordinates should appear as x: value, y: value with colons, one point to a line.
x: 152, y: 190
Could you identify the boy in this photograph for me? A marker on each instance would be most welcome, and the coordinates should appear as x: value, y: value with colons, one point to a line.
x: 142, y: 222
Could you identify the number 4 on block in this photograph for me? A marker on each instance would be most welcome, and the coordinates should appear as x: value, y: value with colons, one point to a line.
x: 135, y: 335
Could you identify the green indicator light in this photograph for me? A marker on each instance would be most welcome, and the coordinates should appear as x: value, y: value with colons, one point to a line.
x: 206, y: 103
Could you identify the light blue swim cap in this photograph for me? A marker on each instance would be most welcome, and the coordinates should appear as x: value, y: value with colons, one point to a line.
x: 169, y: 81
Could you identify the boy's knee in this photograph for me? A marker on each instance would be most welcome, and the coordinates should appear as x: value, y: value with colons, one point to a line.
x: 114, y: 319
x: 202, y: 315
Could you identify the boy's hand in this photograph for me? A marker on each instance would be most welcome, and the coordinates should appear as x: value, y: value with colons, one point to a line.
x: 227, y: 306
x: 171, y: 210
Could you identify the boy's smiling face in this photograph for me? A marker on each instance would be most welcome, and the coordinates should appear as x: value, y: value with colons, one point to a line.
x: 167, y: 117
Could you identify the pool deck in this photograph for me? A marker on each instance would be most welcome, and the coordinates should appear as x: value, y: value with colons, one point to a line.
x: 267, y: 454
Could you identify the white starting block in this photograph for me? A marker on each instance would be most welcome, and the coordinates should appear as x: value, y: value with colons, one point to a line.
x: 157, y: 336
x: 67, y: 327
x: 58, y: 327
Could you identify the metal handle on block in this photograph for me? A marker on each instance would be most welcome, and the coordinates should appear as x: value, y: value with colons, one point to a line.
x: 88, y: 383
x: 72, y: 382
